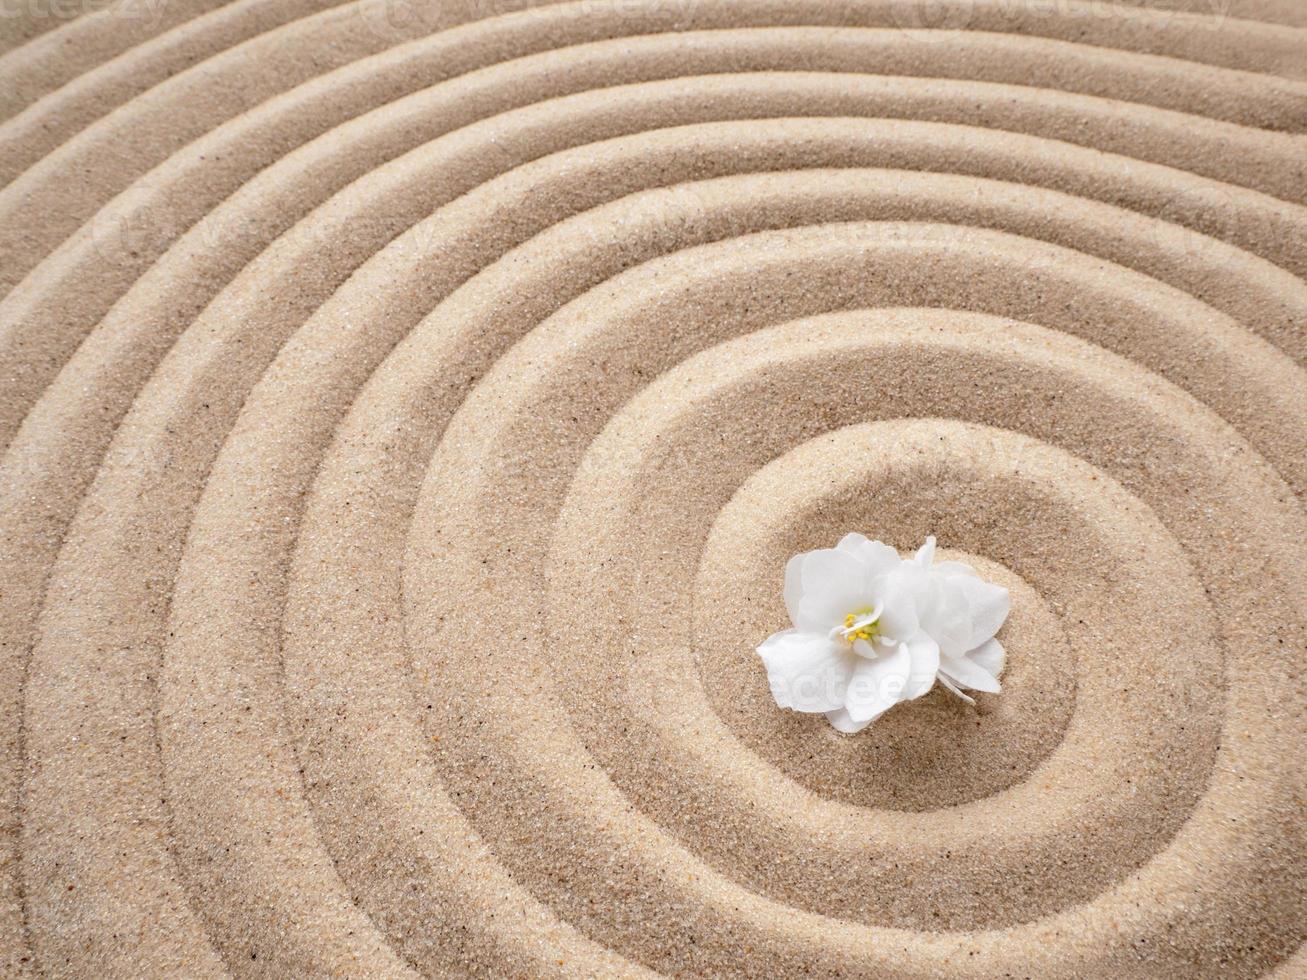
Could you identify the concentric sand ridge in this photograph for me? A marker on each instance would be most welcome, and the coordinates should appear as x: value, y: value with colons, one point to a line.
x: 409, y: 407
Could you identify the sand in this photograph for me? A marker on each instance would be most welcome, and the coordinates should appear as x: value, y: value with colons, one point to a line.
x: 407, y: 410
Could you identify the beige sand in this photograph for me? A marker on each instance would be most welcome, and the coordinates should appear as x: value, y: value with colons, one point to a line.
x: 408, y: 409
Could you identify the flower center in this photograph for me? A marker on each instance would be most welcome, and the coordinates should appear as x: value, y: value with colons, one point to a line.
x: 861, y: 624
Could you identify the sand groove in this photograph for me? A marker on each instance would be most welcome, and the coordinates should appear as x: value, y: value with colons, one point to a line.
x: 408, y: 409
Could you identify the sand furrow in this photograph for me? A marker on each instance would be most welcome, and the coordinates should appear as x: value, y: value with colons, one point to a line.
x: 92, y: 34
x: 409, y: 409
x: 235, y: 81
x: 48, y: 122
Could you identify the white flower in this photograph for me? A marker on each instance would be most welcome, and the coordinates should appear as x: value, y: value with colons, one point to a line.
x: 872, y: 629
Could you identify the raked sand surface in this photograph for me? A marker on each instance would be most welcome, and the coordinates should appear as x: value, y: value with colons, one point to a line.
x: 408, y: 408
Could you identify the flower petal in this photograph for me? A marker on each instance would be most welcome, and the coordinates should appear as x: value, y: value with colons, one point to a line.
x: 832, y: 584
x: 924, y: 654
x: 950, y: 685
x: 948, y: 616
x: 839, y: 718
x: 877, y: 558
x: 990, y: 655
x: 926, y: 553
x: 989, y: 605
x: 877, y: 683
x: 899, y: 598
x: 807, y: 671
x: 965, y: 672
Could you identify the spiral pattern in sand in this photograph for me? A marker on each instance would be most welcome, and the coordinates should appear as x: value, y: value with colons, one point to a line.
x: 409, y: 407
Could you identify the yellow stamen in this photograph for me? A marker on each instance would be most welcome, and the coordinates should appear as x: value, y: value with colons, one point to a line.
x: 865, y: 632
